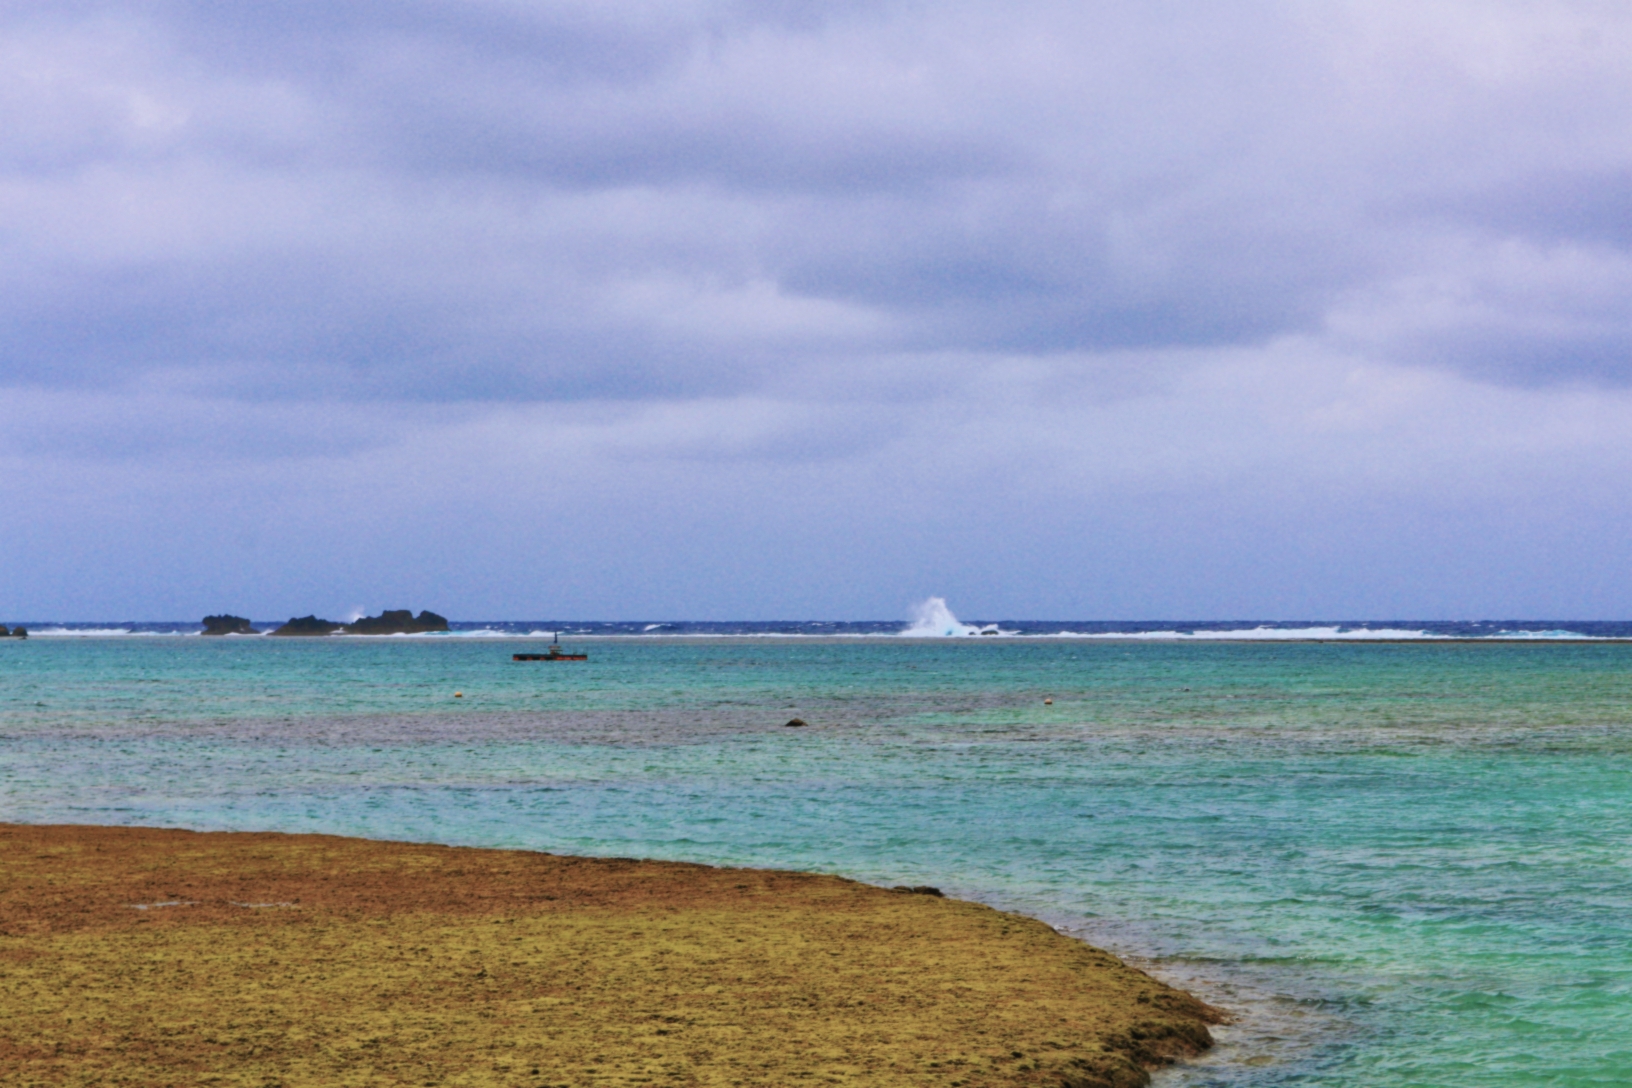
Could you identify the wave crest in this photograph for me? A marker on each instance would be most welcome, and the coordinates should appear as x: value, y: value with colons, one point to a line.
x: 933, y: 619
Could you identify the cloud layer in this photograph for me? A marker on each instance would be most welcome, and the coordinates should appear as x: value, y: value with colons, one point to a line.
x: 800, y: 300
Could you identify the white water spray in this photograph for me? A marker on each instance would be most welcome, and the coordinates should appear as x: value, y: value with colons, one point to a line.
x: 932, y: 619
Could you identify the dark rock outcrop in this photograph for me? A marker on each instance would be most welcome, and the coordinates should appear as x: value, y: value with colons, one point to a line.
x: 16, y: 632
x: 796, y: 723
x: 402, y: 621
x: 308, y: 625
x: 919, y: 889
x: 228, y: 625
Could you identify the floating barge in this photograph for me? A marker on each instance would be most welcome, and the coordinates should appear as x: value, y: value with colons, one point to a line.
x: 555, y: 653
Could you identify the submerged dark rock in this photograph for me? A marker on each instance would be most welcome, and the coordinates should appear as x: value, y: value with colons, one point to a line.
x: 402, y: 621
x: 228, y: 625
x: 919, y: 889
x: 308, y: 625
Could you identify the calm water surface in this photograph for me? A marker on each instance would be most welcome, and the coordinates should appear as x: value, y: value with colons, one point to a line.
x: 1399, y: 864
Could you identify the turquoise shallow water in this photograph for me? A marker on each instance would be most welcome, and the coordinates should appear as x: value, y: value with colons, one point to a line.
x: 1399, y: 864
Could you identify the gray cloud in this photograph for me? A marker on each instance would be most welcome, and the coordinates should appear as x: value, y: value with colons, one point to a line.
x: 1286, y: 483
x: 446, y: 201
x: 878, y: 271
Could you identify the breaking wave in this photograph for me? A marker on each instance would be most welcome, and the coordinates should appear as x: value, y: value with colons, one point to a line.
x: 934, y: 619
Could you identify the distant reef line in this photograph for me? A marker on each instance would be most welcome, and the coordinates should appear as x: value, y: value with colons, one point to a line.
x: 146, y: 955
x: 400, y: 621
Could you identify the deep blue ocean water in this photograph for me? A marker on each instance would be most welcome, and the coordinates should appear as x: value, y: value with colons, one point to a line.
x: 1400, y: 863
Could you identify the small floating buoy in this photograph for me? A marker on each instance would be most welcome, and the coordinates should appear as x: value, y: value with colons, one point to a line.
x: 458, y: 695
x: 1048, y: 702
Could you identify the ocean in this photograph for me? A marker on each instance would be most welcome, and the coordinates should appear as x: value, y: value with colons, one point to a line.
x: 1399, y: 853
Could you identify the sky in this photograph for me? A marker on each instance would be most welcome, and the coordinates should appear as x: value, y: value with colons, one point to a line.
x: 730, y: 310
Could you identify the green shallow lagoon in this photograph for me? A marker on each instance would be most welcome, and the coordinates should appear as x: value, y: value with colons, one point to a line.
x: 1402, y: 864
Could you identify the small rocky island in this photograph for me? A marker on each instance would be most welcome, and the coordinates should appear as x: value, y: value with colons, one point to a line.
x: 228, y: 625
x: 16, y: 632
x: 400, y: 621
x: 308, y: 625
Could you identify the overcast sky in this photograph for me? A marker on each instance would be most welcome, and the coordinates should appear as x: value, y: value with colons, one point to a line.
x: 529, y: 309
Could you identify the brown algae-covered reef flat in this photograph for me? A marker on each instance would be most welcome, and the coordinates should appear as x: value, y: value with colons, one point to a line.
x: 144, y: 957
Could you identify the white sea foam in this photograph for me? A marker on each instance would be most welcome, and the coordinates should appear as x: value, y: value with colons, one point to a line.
x: 1545, y: 636
x: 97, y: 632
x: 1312, y: 634
x: 1262, y: 634
x: 479, y: 632
x: 933, y: 619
